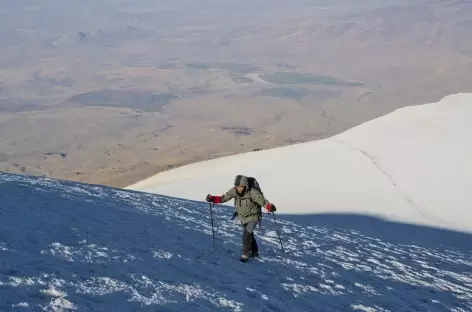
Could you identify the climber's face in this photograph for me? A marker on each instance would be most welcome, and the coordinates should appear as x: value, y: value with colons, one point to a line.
x: 240, y: 189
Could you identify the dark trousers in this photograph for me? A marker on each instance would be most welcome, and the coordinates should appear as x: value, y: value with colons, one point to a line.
x: 249, y: 241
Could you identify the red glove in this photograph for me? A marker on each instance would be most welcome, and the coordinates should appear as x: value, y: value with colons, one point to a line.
x: 213, y: 199
x: 270, y: 208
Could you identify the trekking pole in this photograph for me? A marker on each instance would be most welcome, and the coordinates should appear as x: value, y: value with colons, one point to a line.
x: 276, y: 226
x: 212, y: 228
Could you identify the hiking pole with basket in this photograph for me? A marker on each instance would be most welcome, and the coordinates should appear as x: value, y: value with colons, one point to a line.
x: 278, y: 233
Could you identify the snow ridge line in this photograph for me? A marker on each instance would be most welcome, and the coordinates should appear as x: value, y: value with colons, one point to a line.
x: 407, y: 198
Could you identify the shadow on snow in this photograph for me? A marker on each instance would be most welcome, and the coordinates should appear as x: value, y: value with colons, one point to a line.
x: 115, y: 250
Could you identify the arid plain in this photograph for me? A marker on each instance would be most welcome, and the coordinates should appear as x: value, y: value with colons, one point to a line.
x: 112, y: 92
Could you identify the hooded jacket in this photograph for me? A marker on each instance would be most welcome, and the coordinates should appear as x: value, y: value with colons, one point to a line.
x: 247, y: 205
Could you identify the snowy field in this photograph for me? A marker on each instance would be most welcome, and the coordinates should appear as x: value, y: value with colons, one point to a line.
x: 77, y: 247
x: 413, y: 165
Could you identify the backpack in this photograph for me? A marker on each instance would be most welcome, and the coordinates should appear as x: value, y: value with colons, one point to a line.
x: 254, y: 184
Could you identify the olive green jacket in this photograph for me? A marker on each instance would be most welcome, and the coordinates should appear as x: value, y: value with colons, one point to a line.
x: 247, y: 206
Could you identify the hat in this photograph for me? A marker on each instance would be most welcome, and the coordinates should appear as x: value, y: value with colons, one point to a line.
x: 241, y: 180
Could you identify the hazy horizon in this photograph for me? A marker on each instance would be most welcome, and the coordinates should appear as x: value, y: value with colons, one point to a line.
x: 113, y: 91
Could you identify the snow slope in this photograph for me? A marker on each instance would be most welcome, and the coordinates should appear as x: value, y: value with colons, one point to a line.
x: 412, y: 165
x: 66, y: 246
